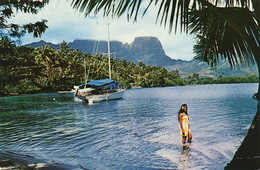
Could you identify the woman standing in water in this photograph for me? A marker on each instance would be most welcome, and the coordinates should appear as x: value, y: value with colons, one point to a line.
x: 183, y: 118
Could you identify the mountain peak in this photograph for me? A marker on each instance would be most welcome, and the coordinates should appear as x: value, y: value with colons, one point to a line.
x: 146, y: 44
x: 146, y: 38
x: 147, y: 49
x: 41, y: 43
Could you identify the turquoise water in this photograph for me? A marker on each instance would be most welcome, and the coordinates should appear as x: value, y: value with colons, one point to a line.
x: 137, y: 132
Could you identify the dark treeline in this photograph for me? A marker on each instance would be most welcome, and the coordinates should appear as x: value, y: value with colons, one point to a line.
x: 220, y: 79
x: 44, y: 69
x: 24, y: 69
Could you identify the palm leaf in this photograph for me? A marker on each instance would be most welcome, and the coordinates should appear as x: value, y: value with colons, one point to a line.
x: 170, y: 12
x: 220, y: 39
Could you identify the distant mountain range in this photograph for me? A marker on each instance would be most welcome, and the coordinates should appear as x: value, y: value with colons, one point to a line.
x: 150, y: 51
x: 146, y: 49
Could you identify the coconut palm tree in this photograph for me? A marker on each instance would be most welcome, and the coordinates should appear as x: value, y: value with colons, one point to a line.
x: 45, y: 56
x: 6, y: 46
x: 225, y: 29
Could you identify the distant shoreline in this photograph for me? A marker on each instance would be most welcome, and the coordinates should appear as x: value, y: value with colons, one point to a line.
x: 135, y: 87
x: 29, y: 93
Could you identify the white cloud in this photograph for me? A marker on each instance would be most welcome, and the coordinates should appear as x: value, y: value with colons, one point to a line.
x: 68, y: 24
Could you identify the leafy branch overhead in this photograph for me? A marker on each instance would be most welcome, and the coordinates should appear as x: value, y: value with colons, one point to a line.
x: 219, y: 38
x: 8, y: 10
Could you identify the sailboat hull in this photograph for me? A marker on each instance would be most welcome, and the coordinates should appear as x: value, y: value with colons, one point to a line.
x: 103, y: 97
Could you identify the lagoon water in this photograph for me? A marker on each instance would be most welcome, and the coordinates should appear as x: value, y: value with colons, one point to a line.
x: 137, y: 132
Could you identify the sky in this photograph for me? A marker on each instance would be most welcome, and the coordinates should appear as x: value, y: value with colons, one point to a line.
x: 68, y: 24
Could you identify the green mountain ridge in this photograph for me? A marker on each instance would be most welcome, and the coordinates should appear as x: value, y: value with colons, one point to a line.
x: 205, y: 70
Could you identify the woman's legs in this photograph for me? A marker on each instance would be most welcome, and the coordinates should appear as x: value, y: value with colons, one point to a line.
x: 189, y: 137
x: 184, y: 139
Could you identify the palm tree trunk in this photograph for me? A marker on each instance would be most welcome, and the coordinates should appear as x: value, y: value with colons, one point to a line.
x: 248, y: 154
x: 258, y: 65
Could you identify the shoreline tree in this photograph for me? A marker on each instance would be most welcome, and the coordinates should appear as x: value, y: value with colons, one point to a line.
x: 226, y: 30
x: 10, y: 33
x: 13, y: 30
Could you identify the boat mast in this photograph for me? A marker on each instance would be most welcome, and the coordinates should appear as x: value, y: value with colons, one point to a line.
x: 85, y: 69
x: 108, y: 48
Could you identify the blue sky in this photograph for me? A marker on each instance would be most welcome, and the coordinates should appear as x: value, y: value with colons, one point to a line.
x: 68, y: 24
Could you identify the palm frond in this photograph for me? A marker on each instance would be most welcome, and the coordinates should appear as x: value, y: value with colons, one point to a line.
x: 171, y: 13
x: 220, y: 39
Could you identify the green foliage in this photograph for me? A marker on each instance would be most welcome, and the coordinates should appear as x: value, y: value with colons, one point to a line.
x: 220, y: 79
x: 7, y: 11
x: 26, y: 70
x: 222, y: 33
x: 249, y: 79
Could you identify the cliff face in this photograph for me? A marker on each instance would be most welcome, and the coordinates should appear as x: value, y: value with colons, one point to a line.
x: 95, y: 47
x: 148, y: 50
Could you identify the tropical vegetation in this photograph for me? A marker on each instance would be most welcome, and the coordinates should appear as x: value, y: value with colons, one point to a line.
x: 195, y: 79
x: 224, y: 29
x: 44, y: 69
x: 25, y: 69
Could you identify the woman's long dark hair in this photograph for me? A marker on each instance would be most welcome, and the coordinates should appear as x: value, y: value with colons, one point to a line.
x: 181, y: 110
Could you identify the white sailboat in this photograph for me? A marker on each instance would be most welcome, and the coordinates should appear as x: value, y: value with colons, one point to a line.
x: 100, y: 90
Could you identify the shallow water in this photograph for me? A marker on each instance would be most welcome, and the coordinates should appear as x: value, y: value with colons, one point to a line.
x: 137, y: 132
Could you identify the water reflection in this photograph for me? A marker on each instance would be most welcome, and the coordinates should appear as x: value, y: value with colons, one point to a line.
x: 185, y: 150
x: 185, y: 157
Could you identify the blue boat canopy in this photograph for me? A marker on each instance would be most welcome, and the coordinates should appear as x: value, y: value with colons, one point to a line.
x: 101, y: 83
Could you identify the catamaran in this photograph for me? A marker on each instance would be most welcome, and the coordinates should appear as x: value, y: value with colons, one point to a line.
x: 99, y: 90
